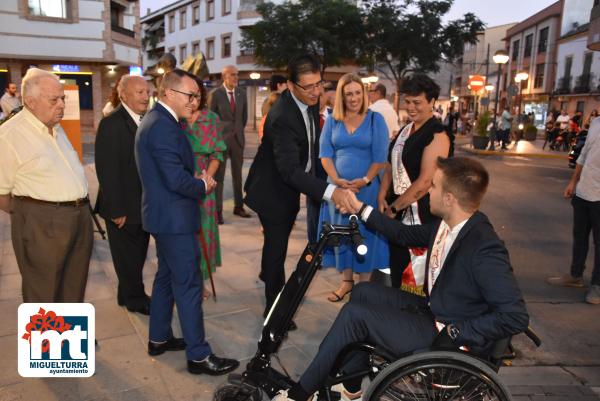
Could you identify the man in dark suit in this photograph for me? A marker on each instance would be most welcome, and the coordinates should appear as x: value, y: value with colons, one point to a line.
x: 229, y: 102
x: 170, y: 213
x: 287, y: 165
x: 120, y: 193
x: 472, y: 295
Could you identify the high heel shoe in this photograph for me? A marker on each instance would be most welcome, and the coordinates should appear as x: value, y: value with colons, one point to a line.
x: 335, y: 297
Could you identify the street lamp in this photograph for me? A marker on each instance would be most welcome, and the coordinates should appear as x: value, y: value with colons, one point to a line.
x: 521, y: 76
x: 500, y: 58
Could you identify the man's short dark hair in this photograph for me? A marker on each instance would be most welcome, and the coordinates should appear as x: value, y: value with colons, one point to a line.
x: 173, y: 78
x: 466, y: 179
x: 418, y: 83
x: 381, y: 89
x: 275, y: 81
x: 303, y: 64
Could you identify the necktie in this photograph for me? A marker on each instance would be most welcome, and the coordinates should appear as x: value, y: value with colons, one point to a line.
x: 231, y: 101
x: 321, y: 120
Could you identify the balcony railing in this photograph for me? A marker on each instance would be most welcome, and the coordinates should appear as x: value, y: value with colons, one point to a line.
x: 563, y: 86
x: 583, y: 83
x: 123, y: 31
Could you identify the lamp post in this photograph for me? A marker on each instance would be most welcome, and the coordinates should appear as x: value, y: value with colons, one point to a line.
x: 521, y: 76
x: 500, y: 58
x: 254, y: 76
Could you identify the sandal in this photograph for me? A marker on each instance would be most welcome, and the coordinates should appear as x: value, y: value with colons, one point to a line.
x: 335, y: 297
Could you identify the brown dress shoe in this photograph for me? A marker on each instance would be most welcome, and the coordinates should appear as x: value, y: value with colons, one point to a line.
x: 566, y: 280
x: 239, y: 211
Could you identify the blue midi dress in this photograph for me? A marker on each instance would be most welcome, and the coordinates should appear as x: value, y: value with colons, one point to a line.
x: 352, y: 155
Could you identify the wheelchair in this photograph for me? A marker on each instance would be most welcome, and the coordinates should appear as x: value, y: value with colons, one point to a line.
x: 429, y: 375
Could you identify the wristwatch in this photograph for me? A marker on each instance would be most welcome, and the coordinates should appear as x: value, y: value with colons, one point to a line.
x: 453, y: 331
x: 366, y: 180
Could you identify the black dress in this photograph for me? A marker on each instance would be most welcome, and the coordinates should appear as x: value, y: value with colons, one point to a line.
x: 412, y: 155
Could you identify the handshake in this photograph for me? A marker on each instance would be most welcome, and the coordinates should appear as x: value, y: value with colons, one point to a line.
x: 210, y: 182
x: 345, y: 200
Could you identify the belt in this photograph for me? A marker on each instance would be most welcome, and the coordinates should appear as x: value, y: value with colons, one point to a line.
x: 75, y: 203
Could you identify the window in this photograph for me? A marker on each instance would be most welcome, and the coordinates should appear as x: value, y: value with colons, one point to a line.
x: 195, y: 15
x: 210, y: 49
x: 210, y: 9
x: 539, y: 75
x: 226, y: 7
x: 195, y: 48
x: 515, y: 50
x: 172, y: 50
x: 568, y: 65
x: 528, y: 45
x: 543, y: 42
x: 171, y: 23
x: 587, y: 63
x: 182, y: 19
x: 580, y: 106
x: 182, y: 53
x: 226, y: 46
x: 49, y: 8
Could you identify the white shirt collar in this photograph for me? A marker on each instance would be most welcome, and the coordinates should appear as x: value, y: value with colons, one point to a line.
x: 136, y: 117
x: 170, y: 110
x: 229, y: 90
x: 303, y: 107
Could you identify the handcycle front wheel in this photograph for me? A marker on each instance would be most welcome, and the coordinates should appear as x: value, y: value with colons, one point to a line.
x: 437, y: 376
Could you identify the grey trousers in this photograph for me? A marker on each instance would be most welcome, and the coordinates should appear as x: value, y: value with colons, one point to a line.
x: 53, y: 246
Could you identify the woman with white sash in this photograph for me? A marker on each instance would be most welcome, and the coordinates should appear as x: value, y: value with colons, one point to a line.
x: 405, y: 184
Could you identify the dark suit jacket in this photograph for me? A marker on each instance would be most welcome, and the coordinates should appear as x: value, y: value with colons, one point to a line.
x: 120, y: 192
x: 476, y: 289
x: 166, y: 164
x: 276, y: 177
x: 233, y: 123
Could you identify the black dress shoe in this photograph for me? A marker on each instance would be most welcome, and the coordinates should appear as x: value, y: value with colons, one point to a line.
x: 239, y: 211
x: 144, y: 309
x: 220, y: 220
x: 213, y: 365
x: 172, y: 344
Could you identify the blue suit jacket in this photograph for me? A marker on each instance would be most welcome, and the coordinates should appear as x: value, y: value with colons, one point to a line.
x: 165, y: 162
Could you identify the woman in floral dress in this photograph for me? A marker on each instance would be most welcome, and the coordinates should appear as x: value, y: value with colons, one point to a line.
x: 204, y: 133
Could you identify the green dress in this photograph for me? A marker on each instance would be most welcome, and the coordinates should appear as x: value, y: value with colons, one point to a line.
x: 207, y: 144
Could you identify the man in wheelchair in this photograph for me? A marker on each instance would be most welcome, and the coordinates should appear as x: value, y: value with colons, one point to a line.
x: 472, y: 295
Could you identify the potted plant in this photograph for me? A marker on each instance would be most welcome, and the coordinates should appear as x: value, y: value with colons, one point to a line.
x: 530, y: 132
x: 480, y: 136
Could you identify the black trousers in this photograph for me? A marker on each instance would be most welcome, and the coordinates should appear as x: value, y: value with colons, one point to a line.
x: 272, y: 273
x: 128, y: 247
x: 586, y: 219
x: 397, y: 321
x: 235, y: 154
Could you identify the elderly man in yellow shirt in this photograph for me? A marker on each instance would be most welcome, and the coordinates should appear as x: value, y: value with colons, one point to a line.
x: 42, y: 183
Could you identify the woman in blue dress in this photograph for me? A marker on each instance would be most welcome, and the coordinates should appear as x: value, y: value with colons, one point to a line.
x: 353, y: 149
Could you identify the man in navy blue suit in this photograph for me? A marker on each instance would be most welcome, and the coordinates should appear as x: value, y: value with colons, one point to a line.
x: 170, y: 193
x: 472, y: 297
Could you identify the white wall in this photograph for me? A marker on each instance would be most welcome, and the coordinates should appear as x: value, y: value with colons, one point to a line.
x: 575, y: 12
x: 577, y: 49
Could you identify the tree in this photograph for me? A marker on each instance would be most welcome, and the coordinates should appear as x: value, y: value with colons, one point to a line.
x: 410, y: 36
x: 331, y: 29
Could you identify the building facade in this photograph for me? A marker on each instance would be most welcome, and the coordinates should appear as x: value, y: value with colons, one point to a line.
x: 578, y: 68
x: 85, y: 42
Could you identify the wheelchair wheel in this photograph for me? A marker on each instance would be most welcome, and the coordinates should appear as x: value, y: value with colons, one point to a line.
x: 437, y: 376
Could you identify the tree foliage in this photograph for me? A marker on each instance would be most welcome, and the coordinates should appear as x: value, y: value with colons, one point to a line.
x: 330, y: 29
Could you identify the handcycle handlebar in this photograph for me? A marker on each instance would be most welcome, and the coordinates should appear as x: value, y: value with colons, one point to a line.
x: 351, y: 230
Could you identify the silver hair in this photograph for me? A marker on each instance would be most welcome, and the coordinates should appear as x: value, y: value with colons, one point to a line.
x: 124, y: 82
x: 30, y: 87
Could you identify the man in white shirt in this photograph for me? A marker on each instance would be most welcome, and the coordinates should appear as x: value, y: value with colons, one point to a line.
x: 381, y: 105
x: 473, y: 297
x: 43, y: 184
x: 10, y: 101
x: 563, y: 119
x: 120, y: 192
x: 584, y: 189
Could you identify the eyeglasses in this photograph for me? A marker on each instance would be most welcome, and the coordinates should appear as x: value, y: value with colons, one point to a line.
x: 191, y: 96
x: 311, y: 87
